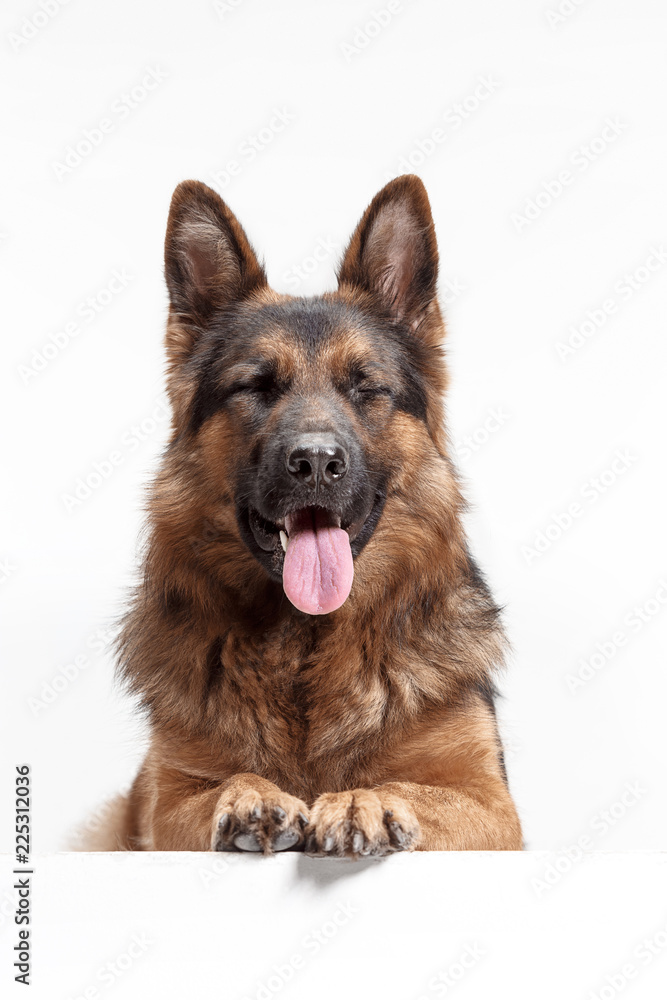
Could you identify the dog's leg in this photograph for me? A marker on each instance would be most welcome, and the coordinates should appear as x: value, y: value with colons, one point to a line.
x: 483, y: 818
x: 442, y: 788
x: 244, y: 812
x: 480, y: 818
x: 404, y: 816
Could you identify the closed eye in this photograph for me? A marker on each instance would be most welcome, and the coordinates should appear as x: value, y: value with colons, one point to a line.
x: 373, y: 389
x: 262, y: 383
x: 363, y: 383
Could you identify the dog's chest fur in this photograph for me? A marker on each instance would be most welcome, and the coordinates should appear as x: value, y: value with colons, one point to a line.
x: 309, y: 707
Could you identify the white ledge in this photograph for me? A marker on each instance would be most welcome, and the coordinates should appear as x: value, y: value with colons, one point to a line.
x: 483, y: 925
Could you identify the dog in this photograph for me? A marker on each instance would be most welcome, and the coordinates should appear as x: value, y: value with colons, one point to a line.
x: 312, y: 643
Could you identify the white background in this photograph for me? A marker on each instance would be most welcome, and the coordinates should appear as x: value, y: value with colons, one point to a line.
x: 513, y: 288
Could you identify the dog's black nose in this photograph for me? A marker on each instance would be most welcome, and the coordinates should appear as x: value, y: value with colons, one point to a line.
x: 317, y: 459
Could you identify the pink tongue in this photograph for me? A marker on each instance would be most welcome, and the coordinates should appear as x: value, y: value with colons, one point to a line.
x: 318, y: 568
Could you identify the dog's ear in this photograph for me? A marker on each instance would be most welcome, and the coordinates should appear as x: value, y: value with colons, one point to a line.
x: 209, y: 262
x: 393, y: 253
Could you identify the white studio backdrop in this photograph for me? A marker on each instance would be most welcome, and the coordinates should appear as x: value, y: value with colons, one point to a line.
x: 539, y: 131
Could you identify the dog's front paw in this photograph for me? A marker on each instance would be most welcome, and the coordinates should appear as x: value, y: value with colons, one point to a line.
x: 267, y: 821
x: 360, y: 823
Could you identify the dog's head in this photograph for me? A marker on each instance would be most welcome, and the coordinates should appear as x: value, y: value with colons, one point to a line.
x: 296, y: 418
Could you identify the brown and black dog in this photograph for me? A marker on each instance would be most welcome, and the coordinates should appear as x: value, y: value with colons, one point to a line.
x: 312, y: 641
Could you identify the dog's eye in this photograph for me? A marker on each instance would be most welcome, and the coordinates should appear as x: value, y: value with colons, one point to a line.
x: 365, y: 386
x: 373, y: 389
x: 264, y: 385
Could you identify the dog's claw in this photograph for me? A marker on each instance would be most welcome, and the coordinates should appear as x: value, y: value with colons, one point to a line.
x: 397, y: 834
x: 223, y: 821
x: 361, y: 823
x: 279, y: 814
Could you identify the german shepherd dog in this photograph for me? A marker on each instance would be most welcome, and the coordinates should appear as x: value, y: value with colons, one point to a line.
x: 312, y: 642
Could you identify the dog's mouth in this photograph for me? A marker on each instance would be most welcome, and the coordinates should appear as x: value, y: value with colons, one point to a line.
x: 312, y: 551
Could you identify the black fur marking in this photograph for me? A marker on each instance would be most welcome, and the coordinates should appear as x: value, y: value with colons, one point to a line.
x: 213, y: 665
x: 501, y: 761
x: 210, y: 396
x: 371, y: 521
x: 174, y: 602
x: 488, y: 692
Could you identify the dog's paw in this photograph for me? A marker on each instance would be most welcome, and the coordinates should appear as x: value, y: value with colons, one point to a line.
x: 363, y: 822
x: 248, y: 820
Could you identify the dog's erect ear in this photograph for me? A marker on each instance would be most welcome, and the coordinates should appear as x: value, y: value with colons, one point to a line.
x: 209, y: 262
x: 393, y: 253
